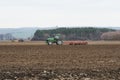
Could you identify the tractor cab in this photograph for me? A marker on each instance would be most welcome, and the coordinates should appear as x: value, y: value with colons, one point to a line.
x: 56, y: 39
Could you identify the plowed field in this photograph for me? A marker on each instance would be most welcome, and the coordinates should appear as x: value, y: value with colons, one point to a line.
x: 65, y: 62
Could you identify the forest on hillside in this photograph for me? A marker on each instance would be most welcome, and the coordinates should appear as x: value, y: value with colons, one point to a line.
x: 87, y: 33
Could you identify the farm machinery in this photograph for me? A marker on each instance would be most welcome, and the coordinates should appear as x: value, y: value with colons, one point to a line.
x: 56, y: 39
x: 77, y: 43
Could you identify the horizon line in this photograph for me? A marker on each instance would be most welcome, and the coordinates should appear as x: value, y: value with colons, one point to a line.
x: 65, y: 27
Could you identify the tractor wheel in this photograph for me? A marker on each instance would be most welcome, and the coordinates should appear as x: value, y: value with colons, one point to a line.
x: 49, y: 43
x: 59, y: 42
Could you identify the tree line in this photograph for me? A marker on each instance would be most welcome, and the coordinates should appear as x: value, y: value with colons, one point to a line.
x: 111, y: 35
x: 7, y: 36
x: 86, y: 33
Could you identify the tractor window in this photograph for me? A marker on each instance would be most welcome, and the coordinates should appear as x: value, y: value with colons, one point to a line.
x: 57, y: 37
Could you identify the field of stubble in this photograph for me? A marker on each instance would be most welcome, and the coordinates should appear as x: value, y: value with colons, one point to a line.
x: 65, y: 62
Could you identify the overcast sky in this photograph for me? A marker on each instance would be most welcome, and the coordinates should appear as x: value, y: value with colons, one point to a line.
x: 51, y: 13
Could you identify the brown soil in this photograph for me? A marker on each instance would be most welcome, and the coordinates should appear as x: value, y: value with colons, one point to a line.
x: 65, y: 62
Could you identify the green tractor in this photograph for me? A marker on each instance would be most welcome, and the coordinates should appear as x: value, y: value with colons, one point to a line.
x: 56, y: 39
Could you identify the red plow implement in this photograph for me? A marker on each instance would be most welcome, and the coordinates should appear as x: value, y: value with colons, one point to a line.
x: 77, y: 43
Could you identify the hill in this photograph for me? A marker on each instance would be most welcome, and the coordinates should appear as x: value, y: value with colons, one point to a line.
x: 25, y: 33
x: 19, y: 32
x: 84, y: 33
